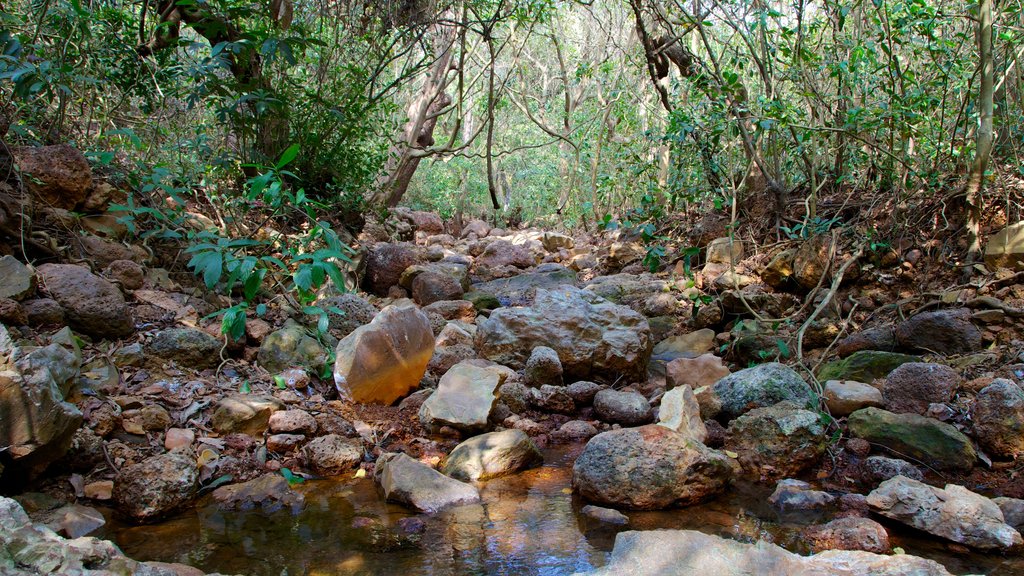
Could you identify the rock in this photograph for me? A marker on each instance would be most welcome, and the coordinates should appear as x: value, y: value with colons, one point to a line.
x: 455, y: 334
x: 333, y: 455
x: 575, y: 430
x: 91, y: 304
x: 43, y: 312
x: 693, y: 553
x: 491, y: 455
x: 934, y: 443
x: 99, y: 490
x: 779, y: 270
x: 1013, y: 511
x: 798, y: 496
x: 156, y: 486
x: 414, y: 484
x: 692, y: 344
x: 269, y: 492
x: 520, y: 290
x: 357, y: 312
x: 778, y: 441
x: 725, y: 251
x: 476, y: 228
x: 385, y: 359
x: 864, y: 366
x: 430, y: 287
x: 621, y: 407
x: 998, y: 417
x: 583, y: 392
x: 702, y: 371
x: 592, y: 336
x: 680, y: 412
x: 16, y: 280
x: 648, y: 468
x: 285, y: 443
x: 244, y: 413
x: 130, y: 275
x: 149, y: 418
x: 554, y: 241
x: 543, y: 367
x: 552, y: 399
x: 878, y: 469
x: 461, y: 311
x: 1005, y: 249
x: 622, y: 253
x: 292, y: 422
x: 878, y: 338
x: 911, y: 387
x: 811, y: 260
x: 103, y: 253
x: 606, y: 515
x: 464, y: 399
x: 761, y: 386
x: 850, y: 533
x: 504, y: 253
x: 188, y: 347
x: 291, y: 347
x: 385, y: 264
x: 424, y: 221
x: 58, y: 176
x: 844, y: 397
x: 946, y: 332
x: 953, y: 512
x: 74, y: 520
x: 11, y: 313
x: 178, y: 438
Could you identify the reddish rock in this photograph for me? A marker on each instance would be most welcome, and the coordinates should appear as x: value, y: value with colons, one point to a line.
x: 91, y: 304
x: 430, y: 287
x: 58, y: 176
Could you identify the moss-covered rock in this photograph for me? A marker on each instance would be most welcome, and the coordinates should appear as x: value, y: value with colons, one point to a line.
x: 864, y: 366
x: 936, y: 444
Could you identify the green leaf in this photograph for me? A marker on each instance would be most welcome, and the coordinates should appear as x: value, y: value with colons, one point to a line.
x: 291, y: 477
x: 245, y: 388
x: 280, y: 382
x: 287, y: 156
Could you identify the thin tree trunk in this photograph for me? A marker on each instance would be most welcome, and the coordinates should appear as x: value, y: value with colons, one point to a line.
x: 976, y: 177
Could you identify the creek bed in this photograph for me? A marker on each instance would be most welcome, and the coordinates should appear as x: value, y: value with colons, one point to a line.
x: 529, y: 523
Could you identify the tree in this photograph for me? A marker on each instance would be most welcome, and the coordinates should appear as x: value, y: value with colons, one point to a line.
x: 976, y: 177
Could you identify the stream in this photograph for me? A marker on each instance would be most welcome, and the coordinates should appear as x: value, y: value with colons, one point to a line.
x: 527, y: 523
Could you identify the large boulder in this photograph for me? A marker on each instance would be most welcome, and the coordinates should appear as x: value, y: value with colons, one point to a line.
x: 520, y: 290
x: 934, y: 443
x: 1005, y: 249
x: 188, y: 347
x: 913, y: 386
x: 693, y: 553
x: 998, y: 417
x: 156, y: 486
x: 385, y: 359
x: 779, y: 441
x: 91, y: 304
x: 356, y: 311
x: 385, y: 264
x: 940, y: 332
x: 291, y: 347
x: 864, y: 366
x: 505, y: 253
x: 759, y: 387
x: 593, y: 337
x: 849, y: 533
x: 430, y: 287
x: 58, y: 176
x: 420, y: 487
x: 464, y: 399
x: 491, y: 455
x: 649, y: 468
x: 953, y: 512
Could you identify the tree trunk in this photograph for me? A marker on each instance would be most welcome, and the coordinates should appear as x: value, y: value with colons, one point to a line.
x: 976, y: 177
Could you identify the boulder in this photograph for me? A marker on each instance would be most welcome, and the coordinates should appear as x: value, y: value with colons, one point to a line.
x: 592, y: 336
x: 583, y: 392
x: 998, y: 417
x: 464, y: 399
x: 702, y: 371
x: 156, y: 486
x: 491, y: 455
x: 129, y: 275
x: 877, y: 469
x: 779, y: 270
x: 505, y: 253
x: 761, y: 386
x: 551, y: 399
x: 844, y: 397
x: 521, y: 289
x: 291, y: 347
x: 934, y: 443
x: 554, y: 241
x: 385, y: 359
x: 57, y: 176
x: 269, y: 493
x: 357, y: 311
x: 850, y: 533
x: 188, y: 347
x: 17, y: 281
x: 649, y: 468
x: 385, y: 264
x: 798, y: 496
x: 725, y: 251
x: 864, y: 366
x: 453, y: 310
x: 543, y: 367
x: 292, y: 422
x: 778, y: 441
x: 681, y: 412
x: 693, y: 553
x: 622, y: 407
x: 420, y: 487
x: 1005, y: 249
x: 953, y: 512
x: 911, y: 387
x: 91, y: 304
x: 945, y: 332
x: 244, y: 413
x: 574, y: 431
x: 475, y: 228
x: 430, y: 287
x: 811, y: 260
x: 333, y: 455
x: 1013, y: 511
x: 878, y: 338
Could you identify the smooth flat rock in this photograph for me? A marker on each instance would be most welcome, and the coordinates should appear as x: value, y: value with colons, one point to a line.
x: 464, y: 398
x: 414, y: 484
x: 844, y: 397
x: 491, y: 455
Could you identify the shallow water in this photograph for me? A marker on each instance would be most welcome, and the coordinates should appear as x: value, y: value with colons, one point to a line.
x: 527, y: 524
